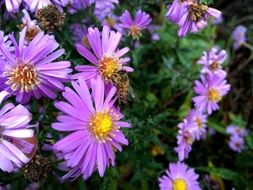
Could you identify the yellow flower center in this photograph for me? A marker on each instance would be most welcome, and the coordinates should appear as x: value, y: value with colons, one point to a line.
x: 213, y: 95
x: 85, y: 41
x: 135, y: 31
x: 214, y: 66
x: 23, y: 77
x: 101, y: 125
x: 111, y: 22
x: 199, y: 122
x: 109, y: 67
x: 179, y: 184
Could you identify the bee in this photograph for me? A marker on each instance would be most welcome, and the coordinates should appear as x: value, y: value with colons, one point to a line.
x: 121, y: 82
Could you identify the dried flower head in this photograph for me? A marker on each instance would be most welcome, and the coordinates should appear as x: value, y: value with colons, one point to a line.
x: 50, y: 18
x: 37, y: 169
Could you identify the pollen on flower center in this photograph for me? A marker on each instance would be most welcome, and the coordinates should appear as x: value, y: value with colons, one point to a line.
x: 213, y: 95
x: 214, y: 66
x: 197, y: 12
x: 188, y: 138
x: 111, y: 22
x: 179, y: 184
x: 85, y: 41
x: 23, y: 77
x: 199, y: 122
x: 238, y: 144
x: 135, y: 31
x: 101, y: 125
x: 109, y: 67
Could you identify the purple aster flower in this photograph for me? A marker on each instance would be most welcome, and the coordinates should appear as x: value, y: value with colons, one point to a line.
x: 239, y: 36
x: 79, y: 34
x: 176, y: 10
x: 35, y: 5
x: 190, y: 16
x: 185, y: 139
x: 12, y: 5
x: 179, y: 177
x: 107, y: 58
x: 30, y: 70
x: 13, y: 129
x: 212, y: 61
x: 96, y: 125
x: 197, y: 118
x: 236, y: 130
x: 77, y: 5
x: 134, y: 26
x: 236, y: 143
x: 103, y: 8
x: 210, y: 91
x: 112, y: 21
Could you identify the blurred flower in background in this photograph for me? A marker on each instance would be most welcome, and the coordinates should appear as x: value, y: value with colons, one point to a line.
x: 239, y: 36
x: 135, y: 25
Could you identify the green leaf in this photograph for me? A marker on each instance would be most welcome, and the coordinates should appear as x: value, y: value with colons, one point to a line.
x: 220, y: 172
x: 212, y: 123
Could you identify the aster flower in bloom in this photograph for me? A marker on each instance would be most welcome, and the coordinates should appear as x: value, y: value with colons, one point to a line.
x: 96, y: 125
x: 106, y: 57
x: 210, y: 91
x: 79, y: 34
x: 185, y: 139
x: 13, y: 129
x: 239, y: 36
x: 236, y: 130
x: 30, y: 70
x: 136, y: 25
x: 190, y: 16
x: 197, y: 118
x: 112, y: 21
x: 236, y: 143
x: 12, y: 5
x: 212, y: 61
x: 179, y: 177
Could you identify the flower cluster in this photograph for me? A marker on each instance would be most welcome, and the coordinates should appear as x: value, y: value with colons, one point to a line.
x: 237, y: 134
x: 31, y: 68
x: 190, y: 16
x: 210, y: 91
